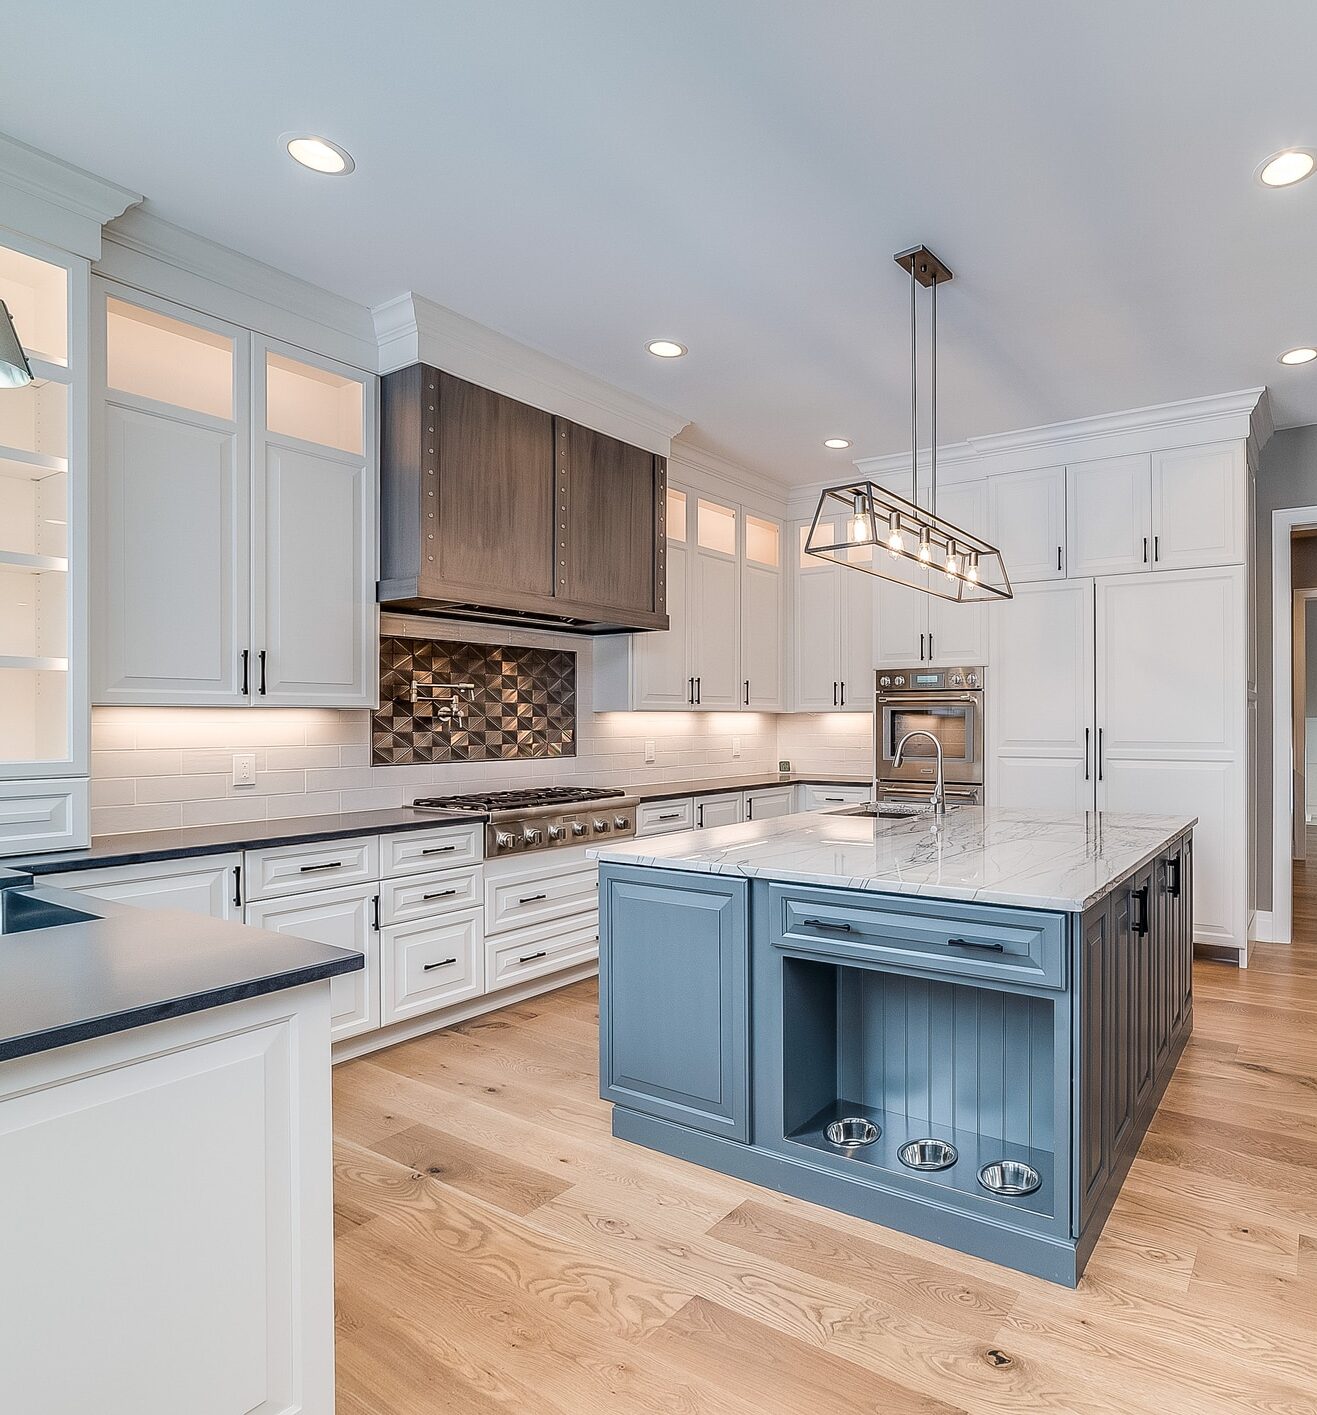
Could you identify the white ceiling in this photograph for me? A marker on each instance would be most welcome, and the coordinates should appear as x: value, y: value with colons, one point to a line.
x: 736, y: 174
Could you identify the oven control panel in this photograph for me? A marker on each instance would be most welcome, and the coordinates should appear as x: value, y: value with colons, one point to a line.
x: 930, y: 680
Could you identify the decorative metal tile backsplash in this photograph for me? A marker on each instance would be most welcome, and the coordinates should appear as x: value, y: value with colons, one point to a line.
x: 442, y: 701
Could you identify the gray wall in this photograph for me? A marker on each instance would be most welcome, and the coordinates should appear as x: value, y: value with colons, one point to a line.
x: 1287, y: 477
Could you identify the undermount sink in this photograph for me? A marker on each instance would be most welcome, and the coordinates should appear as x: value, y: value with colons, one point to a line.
x: 891, y: 810
x: 21, y: 912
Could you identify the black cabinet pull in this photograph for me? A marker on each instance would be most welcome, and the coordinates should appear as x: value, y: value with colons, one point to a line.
x: 531, y: 957
x: 1058, y: 557
x: 986, y: 944
x: 699, y: 815
x: 827, y: 924
x: 1086, y: 731
x: 669, y: 816
x: 1173, y: 879
x: 439, y: 850
x: 261, y: 659
x: 834, y: 692
x: 531, y: 898
x: 375, y: 913
x: 930, y: 648
x: 1145, y: 550
x: 438, y: 894
x: 1099, y: 754
x: 315, y: 869
x: 747, y: 692
x: 1139, y: 923
x: 246, y: 677
x: 921, y: 648
x: 443, y: 963
x: 237, y: 886
x: 1156, y: 547
x: 699, y: 691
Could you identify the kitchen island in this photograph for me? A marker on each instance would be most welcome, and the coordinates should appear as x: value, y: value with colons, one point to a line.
x: 955, y: 1026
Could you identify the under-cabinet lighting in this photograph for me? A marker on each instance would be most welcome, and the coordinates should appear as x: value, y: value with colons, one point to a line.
x: 319, y: 154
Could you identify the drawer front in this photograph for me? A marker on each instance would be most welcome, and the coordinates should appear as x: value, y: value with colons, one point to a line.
x: 43, y: 815
x: 535, y: 953
x: 413, y: 852
x: 423, y: 896
x: 432, y: 963
x: 969, y: 941
x: 294, y: 869
x: 341, y: 918
x: 825, y: 798
x: 663, y: 817
x: 522, y: 898
x: 208, y: 886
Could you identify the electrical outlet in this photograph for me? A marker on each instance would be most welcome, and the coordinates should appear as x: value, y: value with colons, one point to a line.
x: 649, y: 749
x: 736, y: 746
x: 244, y: 768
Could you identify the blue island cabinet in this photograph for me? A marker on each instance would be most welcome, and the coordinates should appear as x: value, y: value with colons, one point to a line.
x: 674, y: 998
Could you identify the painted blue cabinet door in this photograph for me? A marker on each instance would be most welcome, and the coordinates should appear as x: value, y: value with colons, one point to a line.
x: 673, y: 997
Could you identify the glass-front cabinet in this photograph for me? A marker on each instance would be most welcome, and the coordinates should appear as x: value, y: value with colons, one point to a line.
x: 43, y: 726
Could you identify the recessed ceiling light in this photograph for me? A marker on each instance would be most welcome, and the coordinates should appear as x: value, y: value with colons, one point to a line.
x: 1283, y: 169
x: 1298, y: 356
x: 836, y: 443
x: 666, y: 348
x: 319, y: 154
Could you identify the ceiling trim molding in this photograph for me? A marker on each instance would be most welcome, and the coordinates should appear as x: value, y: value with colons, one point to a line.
x: 411, y: 329
x: 149, y: 253
x: 1244, y: 415
x: 721, y: 472
x: 55, y: 202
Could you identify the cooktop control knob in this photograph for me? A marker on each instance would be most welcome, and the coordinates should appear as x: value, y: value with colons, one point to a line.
x: 600, y: 827
x: 504, y: 839
x: 557, y: 832
x: 579, y: 828
x: 532, y: 835
x: 621, y: 823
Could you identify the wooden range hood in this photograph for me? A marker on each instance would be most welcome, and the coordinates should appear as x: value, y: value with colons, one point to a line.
x: 493, y: 510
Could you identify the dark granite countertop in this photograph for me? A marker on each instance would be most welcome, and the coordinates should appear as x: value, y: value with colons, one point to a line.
x: 126, y: 967
x: 710, y: 786
x: 141, y: 846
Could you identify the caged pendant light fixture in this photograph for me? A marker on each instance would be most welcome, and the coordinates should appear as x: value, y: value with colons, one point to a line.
x: 864, y: 526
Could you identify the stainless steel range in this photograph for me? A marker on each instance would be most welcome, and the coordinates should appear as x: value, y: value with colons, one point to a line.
x: 545, y: 818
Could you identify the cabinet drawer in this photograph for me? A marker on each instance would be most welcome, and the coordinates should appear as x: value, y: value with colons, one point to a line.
x: 663, y: 817
x: 1007, y: 945
x: 432, y: 963
x: 423, y: 896
x: 533, y: 953
x: 524, y: 897
x: 824, y: 798
x: 294, y: 869
x: 43, y: 815
x: 413, y: 852
x: 197, y: 886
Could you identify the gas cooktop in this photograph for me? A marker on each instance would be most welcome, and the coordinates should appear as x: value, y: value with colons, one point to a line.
x: 530, y: 799
x: 543, y: 818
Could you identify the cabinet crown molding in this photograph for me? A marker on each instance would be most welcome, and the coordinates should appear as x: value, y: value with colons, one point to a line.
x: 721, y: 473
x: 1243, y: 415
x: 411, y: 329
x: 53, y: 201
x: 151, y: 254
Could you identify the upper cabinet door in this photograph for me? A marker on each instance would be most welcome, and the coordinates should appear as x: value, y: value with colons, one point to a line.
x: 607, y: 499
x: 762, y: 626
x: 1199, y: 507
x: 663, y: 673
x: 170, y: 551
x: 1026, y: 522
x: 487, y: 497
x: 715, y: 606
x: 817, y: 636
x: 1109, y: 516
x: 957, y: 633
x: 313, y: 532
x: 900, y: 625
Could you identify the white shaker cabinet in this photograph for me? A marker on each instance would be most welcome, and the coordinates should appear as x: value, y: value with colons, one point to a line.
x: 763, y: 628
x: 660, y: 661
x: 1026, y: 522
x: 833, y: 632
x: 768, y: 802
x: 728, y: 808
x: 208, y: 885
x: 716, y: 597
x: 1109, y: 515
x: 234, y: 515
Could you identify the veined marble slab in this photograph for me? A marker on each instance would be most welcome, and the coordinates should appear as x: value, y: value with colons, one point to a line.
x: 1030, y: 859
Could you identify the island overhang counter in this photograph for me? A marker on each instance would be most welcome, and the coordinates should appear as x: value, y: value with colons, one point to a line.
x: 1014, y: 987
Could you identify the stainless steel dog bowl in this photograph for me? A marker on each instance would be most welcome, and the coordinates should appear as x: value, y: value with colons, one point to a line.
x: 1009, y: 1178
x: 928, y: 1154
x: 851, y: 1132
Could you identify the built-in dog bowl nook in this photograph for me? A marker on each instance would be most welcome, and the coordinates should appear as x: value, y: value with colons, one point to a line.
x: 955, y: 1078
x: 851, y: 1131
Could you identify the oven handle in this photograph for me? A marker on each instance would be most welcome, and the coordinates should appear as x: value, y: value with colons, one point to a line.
x: 930, y: 700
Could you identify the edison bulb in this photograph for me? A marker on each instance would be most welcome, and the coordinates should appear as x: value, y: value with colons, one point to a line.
x: 860, y: 527
x: 896, y: 543
x: 972, y: 573
x: 925, y: 549
x: 953, y: 565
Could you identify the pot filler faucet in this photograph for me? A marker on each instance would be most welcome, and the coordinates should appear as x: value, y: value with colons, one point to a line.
x: 938, y: 800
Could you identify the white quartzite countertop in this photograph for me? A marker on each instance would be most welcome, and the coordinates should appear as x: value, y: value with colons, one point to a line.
x: 1031, y: 859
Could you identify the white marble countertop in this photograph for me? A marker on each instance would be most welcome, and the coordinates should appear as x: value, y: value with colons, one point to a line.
x: 1027, y: 858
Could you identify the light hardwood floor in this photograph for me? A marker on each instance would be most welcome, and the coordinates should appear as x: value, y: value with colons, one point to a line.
x: 498, y: 1251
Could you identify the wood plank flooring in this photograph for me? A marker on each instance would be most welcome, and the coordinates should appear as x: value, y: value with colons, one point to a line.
x: 498, y: 1251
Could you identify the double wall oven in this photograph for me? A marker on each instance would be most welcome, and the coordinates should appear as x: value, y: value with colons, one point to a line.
x: 948, y: 702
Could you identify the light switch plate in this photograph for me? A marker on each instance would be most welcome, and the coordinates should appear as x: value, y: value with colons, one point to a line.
x: 244, y: 768
x: 649, y: 749
x: 736, y: 746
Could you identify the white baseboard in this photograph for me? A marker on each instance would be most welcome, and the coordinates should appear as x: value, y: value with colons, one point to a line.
x: 1260, y: 926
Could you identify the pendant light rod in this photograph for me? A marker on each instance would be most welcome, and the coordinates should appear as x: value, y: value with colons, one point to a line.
x: 932, y: 400
x: 914, y: 394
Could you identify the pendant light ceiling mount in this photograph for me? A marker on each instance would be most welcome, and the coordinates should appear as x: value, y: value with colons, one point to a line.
x: 866, y: 527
